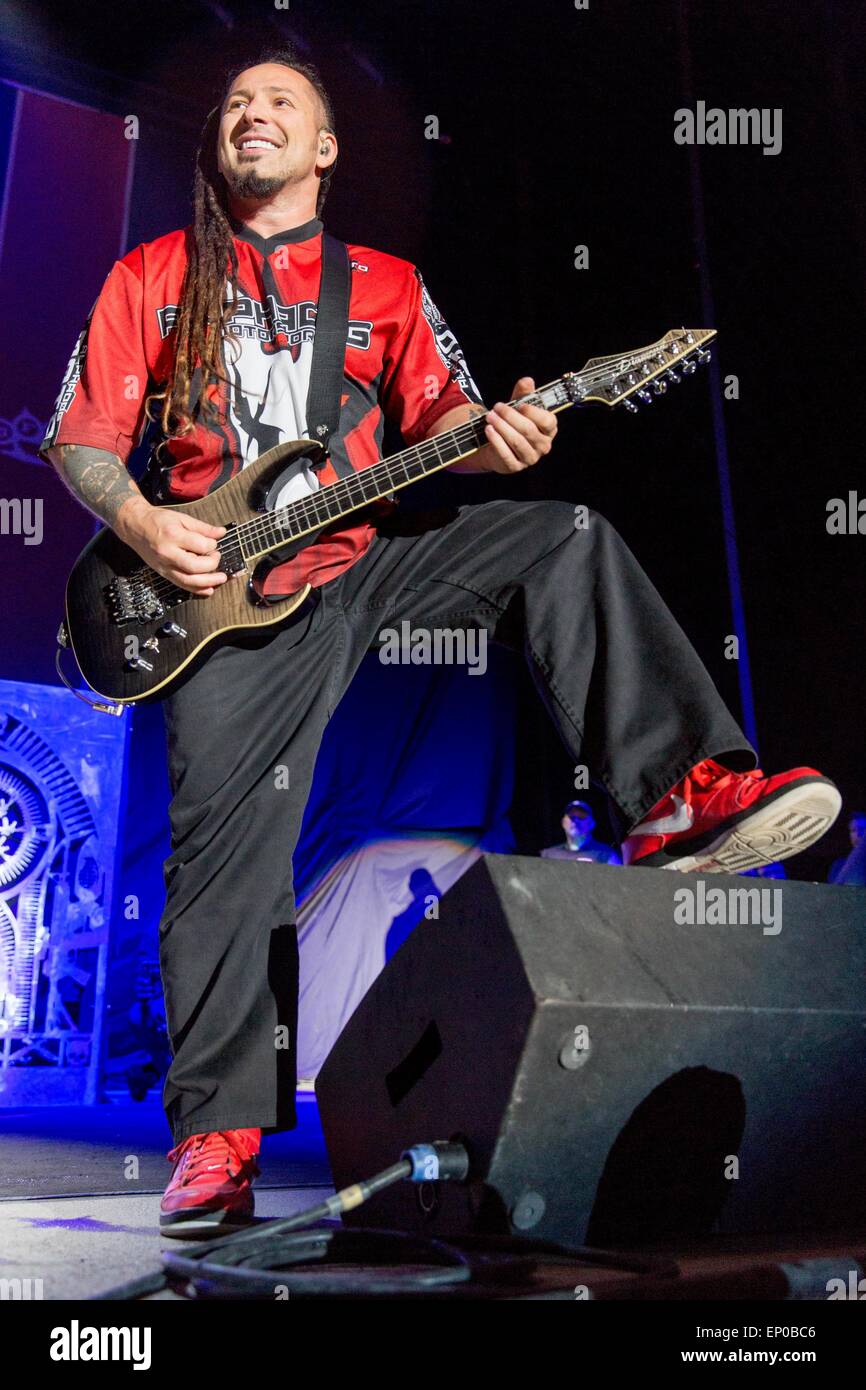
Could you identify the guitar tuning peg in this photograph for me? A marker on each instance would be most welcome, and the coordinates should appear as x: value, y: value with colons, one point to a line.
x: 704, y: 355
x: 644, y: 395
x: 630, y: 407
x: 689, y: 367
x: 659, y: 387
x: 673, y: 376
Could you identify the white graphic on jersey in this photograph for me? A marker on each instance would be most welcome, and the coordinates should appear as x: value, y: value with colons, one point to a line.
x: 267, y: 405
x: 268, y: 395
x: 254, y: 319
x: 267, y: 402
x: 71, y: 377
x: 447, y: 346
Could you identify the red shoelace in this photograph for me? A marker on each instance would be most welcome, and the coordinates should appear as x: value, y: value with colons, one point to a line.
x: 204, y: 1148
x: 710, y: 774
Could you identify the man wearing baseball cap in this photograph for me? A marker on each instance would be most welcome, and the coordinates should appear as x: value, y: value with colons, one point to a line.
x: 578, y: 822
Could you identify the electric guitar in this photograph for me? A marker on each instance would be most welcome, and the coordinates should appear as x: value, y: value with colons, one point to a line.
x: 133, y: 632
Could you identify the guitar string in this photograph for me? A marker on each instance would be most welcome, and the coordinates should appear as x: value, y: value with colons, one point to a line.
x: 306, y: 509
x: 383, y: 475
x: 257, y: 528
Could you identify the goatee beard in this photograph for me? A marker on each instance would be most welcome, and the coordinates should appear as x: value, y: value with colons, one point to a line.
x: 246, y: 183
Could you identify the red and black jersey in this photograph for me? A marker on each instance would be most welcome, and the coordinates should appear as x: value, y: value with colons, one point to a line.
x: 401, y: 361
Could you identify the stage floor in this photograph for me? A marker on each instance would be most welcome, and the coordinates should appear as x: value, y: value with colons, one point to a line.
x: 71, y: 1216
x: 67, y: 1217
x: 80, y: 1247
x: 69, y: 1150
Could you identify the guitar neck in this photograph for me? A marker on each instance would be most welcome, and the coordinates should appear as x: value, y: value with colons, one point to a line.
x: 611, y: 381
x: 328, y: 504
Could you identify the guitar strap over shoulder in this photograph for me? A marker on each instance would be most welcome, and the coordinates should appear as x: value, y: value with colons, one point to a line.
x: 329, y: 348
x: 325, y: 391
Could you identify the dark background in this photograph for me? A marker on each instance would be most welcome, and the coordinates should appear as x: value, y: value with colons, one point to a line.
x: 556, y: 130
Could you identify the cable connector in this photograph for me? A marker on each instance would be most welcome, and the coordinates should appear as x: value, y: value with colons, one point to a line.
x: 441, y: 1161
x: 63, y: 642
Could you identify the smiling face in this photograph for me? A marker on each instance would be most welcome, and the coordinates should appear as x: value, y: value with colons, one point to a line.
x: 272, y: 134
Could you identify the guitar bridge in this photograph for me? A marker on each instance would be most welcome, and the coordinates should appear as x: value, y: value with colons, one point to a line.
x: 133, y: 600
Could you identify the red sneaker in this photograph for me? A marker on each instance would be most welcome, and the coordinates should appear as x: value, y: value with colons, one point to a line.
x: 210, y: 1189
x: 716, y: 821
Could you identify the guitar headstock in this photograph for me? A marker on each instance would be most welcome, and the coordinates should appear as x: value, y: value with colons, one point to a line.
x: 644, y: 373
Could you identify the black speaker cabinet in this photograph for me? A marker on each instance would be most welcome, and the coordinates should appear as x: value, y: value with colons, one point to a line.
x: 630, y: 1056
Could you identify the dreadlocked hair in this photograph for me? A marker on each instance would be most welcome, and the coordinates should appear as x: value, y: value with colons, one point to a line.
x: 204, y: 311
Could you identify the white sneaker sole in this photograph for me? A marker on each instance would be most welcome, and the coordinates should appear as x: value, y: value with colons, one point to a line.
x: 203, y: 1227
x: 784, y: 826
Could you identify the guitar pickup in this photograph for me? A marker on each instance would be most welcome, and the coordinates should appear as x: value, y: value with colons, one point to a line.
x: 232, y: 559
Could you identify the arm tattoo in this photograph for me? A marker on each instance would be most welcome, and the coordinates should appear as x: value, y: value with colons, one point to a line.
x: 96, y: 477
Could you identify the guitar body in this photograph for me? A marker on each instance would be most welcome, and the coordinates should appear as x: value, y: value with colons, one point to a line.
x: 105, y: 648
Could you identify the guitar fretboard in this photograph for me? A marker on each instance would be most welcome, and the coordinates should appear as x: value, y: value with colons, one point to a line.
x: 328, y: 504
x: 612, y: 381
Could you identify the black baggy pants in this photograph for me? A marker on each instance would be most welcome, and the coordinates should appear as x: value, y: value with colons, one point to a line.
x: 628, y: 693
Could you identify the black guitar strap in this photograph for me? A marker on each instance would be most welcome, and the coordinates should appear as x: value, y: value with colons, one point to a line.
x: 329, y: 349
x: 325, y: 391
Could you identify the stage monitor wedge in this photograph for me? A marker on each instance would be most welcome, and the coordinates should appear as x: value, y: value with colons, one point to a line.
x: 632, y: 1056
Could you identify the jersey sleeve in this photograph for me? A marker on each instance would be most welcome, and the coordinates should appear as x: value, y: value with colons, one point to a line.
x: 102, y: 396
x: 425, y: 373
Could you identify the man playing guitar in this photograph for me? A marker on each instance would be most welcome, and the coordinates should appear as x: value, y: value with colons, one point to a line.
x: 628, y: 694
